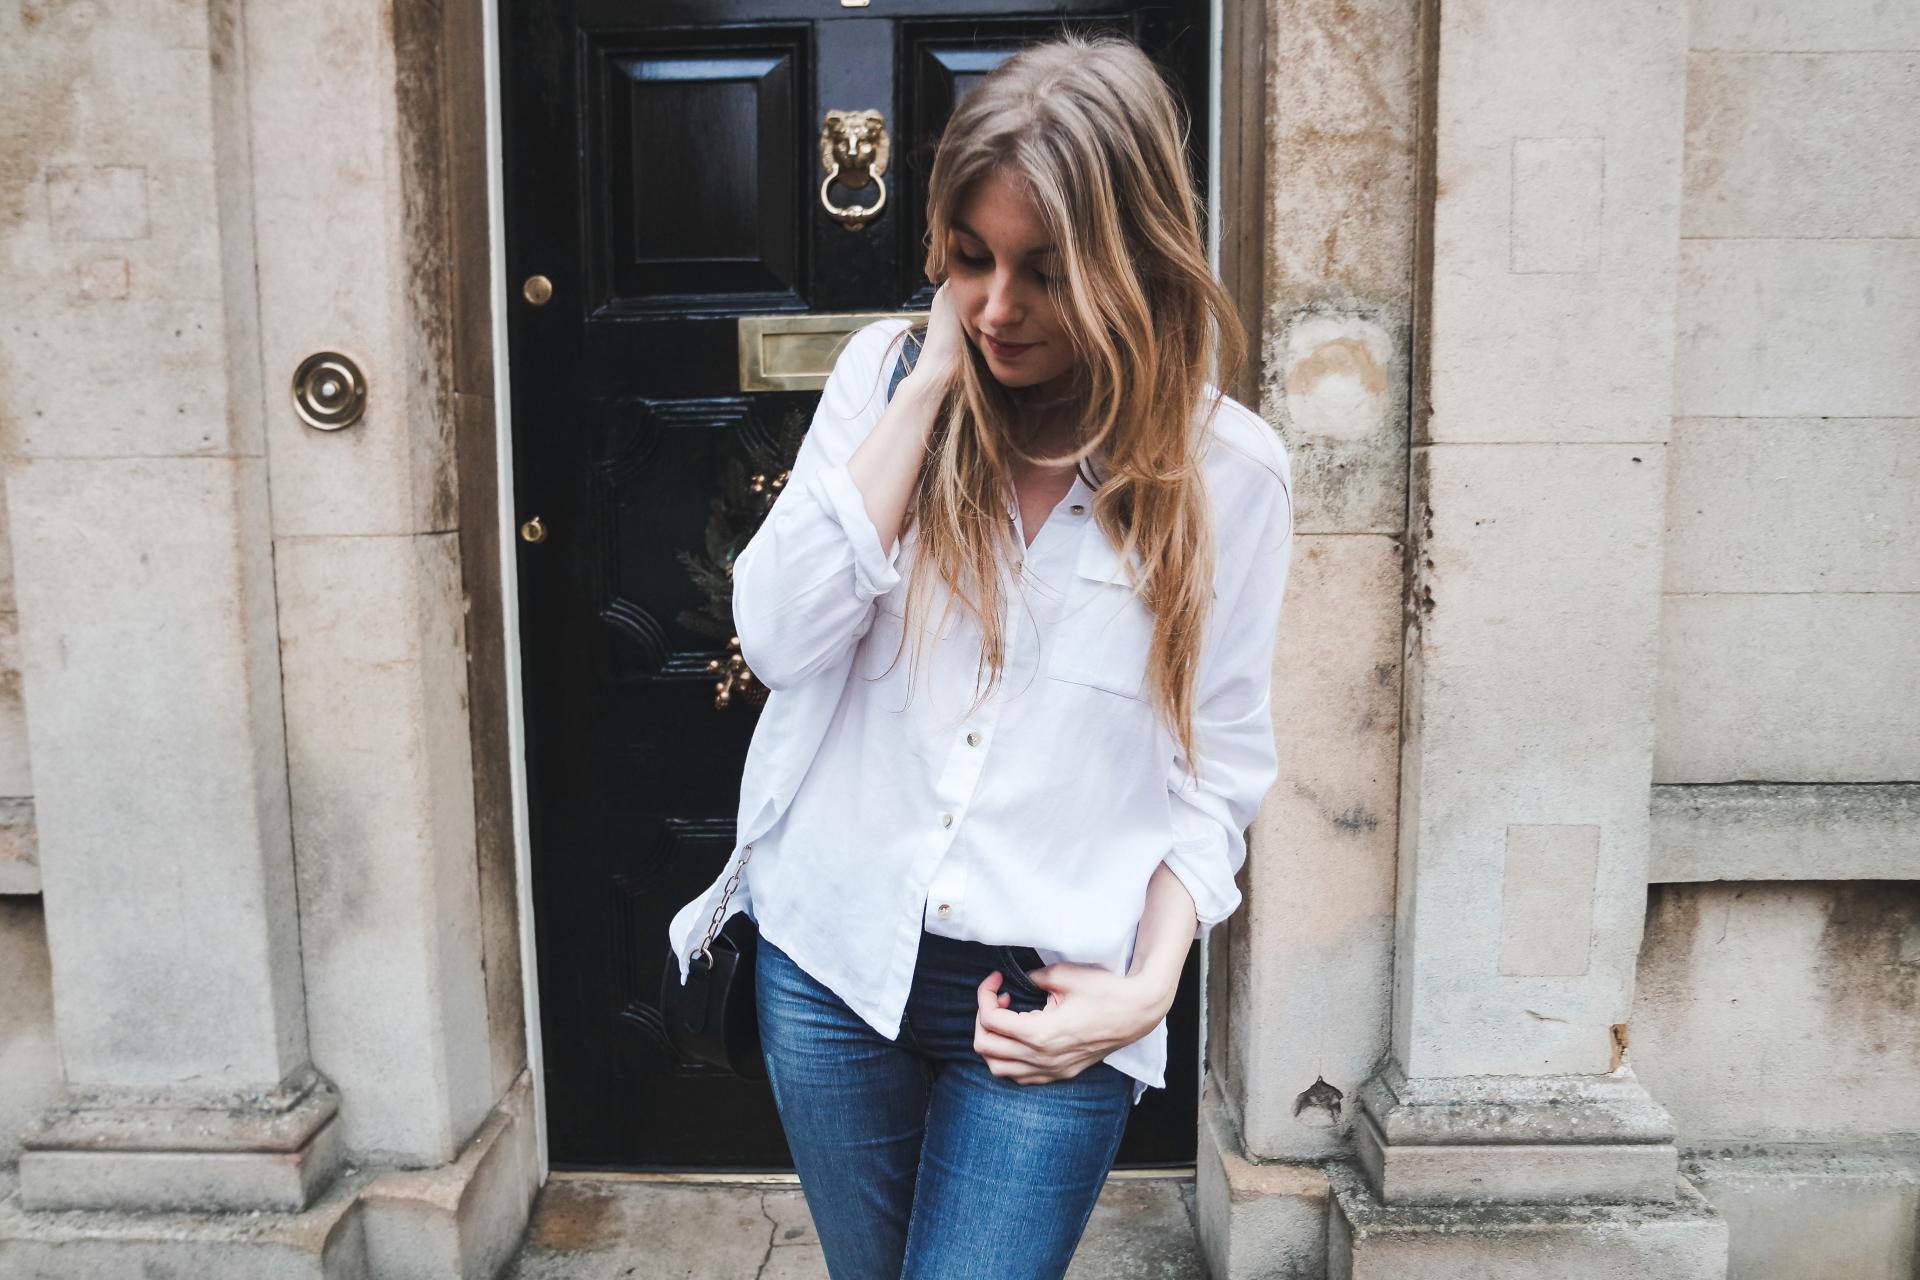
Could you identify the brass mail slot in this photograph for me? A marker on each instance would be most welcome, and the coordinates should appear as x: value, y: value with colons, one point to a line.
x: 796, y: 353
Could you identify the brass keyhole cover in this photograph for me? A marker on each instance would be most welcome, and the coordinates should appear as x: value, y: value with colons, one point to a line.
x: 329, y: 391
x: 534, y: 530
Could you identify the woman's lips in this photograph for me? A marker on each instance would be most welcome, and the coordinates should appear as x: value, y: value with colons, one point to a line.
x: 1006, y: 350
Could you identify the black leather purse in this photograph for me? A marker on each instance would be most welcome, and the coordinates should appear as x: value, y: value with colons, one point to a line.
x: 713, y: 1017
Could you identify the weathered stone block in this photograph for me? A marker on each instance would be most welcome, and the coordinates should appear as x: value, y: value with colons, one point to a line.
x: 1789, y: 688
x: 1255, y: 1221
x: 1793, y: 505
x: 1798, y: 328
x: 1530, y: 702
x: 153, y: 695
x: 1552, y: 271
x: 1311, y: 953
x: 1782, y: 1012
x: 1824, y: 1211
x: 379, y: 764
x: 1783, y: 831
x: 1761, y: 26
x: 1802, y: 144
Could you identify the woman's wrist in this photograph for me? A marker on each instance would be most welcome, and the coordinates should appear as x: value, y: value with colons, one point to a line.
x: 926, y: 380
x: 1155, y: 991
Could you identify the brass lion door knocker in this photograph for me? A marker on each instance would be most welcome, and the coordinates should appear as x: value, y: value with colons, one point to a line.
x: 854, y: 150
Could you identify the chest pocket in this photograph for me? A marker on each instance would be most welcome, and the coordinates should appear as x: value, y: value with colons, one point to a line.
x: 1105, y: 631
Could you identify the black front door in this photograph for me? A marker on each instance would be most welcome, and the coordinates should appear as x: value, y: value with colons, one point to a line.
x: 663, y: 183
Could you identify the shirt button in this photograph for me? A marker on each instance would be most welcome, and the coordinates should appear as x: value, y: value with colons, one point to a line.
x: 1077, y: 509
x: 946, y: 819
x: 946, y: 908
x: 973, y: 739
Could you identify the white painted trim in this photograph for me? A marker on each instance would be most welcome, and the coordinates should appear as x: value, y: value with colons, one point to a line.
x: 508, y: 528
x: 1216, y: 62
x: 510, y: 579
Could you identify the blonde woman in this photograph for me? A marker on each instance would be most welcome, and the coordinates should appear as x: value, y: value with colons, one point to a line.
x: 1017, y: 610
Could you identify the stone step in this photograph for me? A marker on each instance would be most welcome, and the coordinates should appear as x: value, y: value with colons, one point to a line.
x: 620, y: 1229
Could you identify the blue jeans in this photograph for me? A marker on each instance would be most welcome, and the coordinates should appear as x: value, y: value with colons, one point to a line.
x: 917, y: 1161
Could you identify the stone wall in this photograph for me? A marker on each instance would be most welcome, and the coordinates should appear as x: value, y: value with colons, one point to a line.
x: 1779, y: 981
x: 1793, y: 506
x: 1789, y: 677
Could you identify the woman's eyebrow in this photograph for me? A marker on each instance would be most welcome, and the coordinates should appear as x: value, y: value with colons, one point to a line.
x: 1031, y: 253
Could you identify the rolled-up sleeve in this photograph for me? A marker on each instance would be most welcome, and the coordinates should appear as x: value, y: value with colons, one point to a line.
x: 1233, y: 723
x: 803, y: 587
x: 873, y: 569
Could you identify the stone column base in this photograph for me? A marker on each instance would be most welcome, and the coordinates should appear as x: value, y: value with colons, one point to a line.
x: 1264, y: 1221
x: 325, y: 1241
x: 273, y: 1150
x: 1513, y: 1139
x: 1682, y: 1238
x: 461, y: 1221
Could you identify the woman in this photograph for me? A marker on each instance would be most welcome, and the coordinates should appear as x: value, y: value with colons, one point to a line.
x: 1018, y: 619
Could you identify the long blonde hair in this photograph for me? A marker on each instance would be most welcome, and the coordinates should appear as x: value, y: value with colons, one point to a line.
x: 1098, y: 140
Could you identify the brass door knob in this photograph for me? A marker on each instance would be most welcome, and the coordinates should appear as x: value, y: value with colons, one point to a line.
x: 538, y: 290
x: 534, y: 530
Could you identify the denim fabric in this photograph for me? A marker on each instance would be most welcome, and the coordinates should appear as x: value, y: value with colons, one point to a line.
x: 917, y: 1161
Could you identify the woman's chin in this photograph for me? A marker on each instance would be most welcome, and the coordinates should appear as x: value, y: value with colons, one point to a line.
x: 1012, y: 376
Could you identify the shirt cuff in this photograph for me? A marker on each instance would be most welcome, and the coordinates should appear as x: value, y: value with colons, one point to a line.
x: 1204, y: 868
x: 874, y: 571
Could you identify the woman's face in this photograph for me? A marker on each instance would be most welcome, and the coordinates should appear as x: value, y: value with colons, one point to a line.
x: 999, y: 265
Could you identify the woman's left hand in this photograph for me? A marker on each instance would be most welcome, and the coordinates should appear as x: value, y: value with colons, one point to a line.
x: 1090, y: 1012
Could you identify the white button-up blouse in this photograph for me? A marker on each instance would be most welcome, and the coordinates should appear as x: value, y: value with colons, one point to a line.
x: 1038, y: 819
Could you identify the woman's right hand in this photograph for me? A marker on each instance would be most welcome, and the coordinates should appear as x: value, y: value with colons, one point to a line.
x: 945, y: 344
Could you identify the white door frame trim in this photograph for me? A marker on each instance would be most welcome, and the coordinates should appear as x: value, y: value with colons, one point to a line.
x: 508, y: 535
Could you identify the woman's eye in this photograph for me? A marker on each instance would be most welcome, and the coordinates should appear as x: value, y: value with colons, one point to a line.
x: 973, y: 263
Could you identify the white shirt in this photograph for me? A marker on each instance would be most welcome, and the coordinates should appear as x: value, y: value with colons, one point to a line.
x: 1036, y: 820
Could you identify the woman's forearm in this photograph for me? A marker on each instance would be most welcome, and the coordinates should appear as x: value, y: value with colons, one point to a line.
x: 886, y: 465
x: 1164, y: 936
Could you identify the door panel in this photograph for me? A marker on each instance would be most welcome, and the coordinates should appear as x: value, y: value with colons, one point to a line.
x: 663, y: 172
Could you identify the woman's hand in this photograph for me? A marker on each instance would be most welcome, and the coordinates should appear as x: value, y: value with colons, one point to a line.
x: 1090, y: 1012
x: 945, y: 345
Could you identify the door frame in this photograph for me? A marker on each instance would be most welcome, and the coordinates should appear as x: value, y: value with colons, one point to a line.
x: 1239, y: 265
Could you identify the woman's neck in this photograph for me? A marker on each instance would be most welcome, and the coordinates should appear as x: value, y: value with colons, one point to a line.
x: 1048, y: 415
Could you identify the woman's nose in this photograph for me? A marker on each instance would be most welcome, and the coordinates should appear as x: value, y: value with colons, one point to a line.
x: 1004, y: 305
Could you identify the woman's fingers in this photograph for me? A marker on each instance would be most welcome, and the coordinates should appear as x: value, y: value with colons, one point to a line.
x: 983, y: 995
x: 1031, y: 1027
x: 995, y: 1047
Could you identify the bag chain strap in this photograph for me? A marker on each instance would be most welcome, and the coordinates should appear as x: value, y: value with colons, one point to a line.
x: 719, y: 912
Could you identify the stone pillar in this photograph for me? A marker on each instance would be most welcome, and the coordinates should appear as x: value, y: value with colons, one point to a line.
x: 1508, y: 1136
x: 367, y: 558
x: 1299, y: 980
x: 137, y: 495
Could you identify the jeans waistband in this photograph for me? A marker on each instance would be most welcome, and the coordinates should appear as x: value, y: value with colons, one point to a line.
x: 1026, y: 957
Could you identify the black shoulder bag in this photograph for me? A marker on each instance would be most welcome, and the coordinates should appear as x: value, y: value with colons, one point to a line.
x: 712, y: 1017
